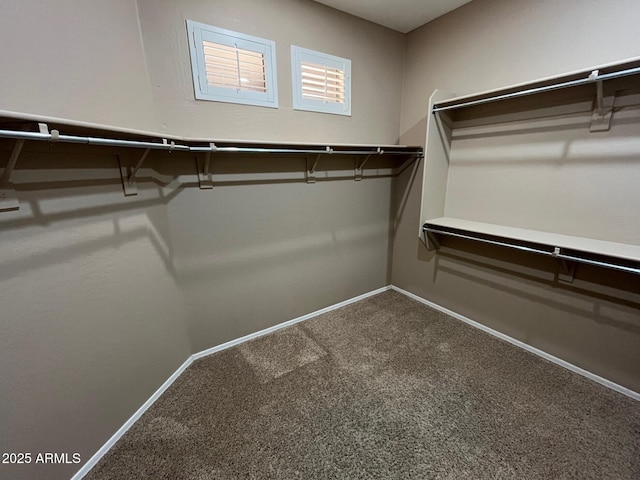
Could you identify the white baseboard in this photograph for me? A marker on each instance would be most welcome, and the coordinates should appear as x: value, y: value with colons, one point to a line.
x: 122, y: 430
x: 288, y: 323
x: 569, y: 366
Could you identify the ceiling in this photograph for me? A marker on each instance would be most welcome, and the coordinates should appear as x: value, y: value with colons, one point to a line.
x: 400, y: 15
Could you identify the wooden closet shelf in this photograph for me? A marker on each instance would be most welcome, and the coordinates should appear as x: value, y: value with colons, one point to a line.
x: 27, y: 128
x: 619, y: 256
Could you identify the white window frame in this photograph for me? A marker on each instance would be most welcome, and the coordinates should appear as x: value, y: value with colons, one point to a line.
x: 300, y: 55
x: 199, y: 32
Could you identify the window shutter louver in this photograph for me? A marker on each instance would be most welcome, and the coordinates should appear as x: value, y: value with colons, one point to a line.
x: 322, y: 83
x: 233, y: 67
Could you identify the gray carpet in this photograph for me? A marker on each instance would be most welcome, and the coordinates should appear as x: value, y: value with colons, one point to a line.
x: 385, y: 388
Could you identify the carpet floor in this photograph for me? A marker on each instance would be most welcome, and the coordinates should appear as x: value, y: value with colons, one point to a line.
x: 385, y: 388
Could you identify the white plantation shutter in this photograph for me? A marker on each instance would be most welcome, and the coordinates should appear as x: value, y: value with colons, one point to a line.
x: 321, y: 82
x: 232, y: 67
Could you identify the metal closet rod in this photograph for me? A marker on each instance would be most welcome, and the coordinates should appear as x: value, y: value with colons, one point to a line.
x: 556, y: 253
x: 582, y: 81
x: 55, y: 136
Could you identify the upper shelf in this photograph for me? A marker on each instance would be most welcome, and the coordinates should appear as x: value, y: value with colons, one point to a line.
x: 67, y: 131
x: 599, y: 89
x: 576, y: 79
x: 25, y: 128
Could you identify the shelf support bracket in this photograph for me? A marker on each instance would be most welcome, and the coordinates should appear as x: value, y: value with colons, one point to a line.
x: 359, y: 168
x: 430, y: 240
x: 171, y: 144
x: 603, y: 107
x: 311, y: 171
x: 129, y: 178
x: 54, y: 135
x: 204, y: 175
x: 566, y: 269
x: 8, y: 200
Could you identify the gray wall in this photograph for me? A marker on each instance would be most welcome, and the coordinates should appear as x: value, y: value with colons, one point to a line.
x: 489, y: 44
x: 252, y: 253
x: 125, y: 63
x: 376, y: 54
x: 75, y: 60
x: 104, y: 297
x: 595, y: 322
x: 550, y: 174
x: 93, y: 319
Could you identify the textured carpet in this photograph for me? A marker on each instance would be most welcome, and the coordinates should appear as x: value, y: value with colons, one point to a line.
x: 385, y: 388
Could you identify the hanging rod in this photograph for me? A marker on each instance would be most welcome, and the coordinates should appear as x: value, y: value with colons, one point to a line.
x: 318, y: 151
x: 556, y: 252
x: 521, y: 93
x: 55, y: 136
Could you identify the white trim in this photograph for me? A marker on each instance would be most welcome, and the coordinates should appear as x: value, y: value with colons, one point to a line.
x: 569, y: 366
x: 300, y: 102
x: 288, y: 323
x: 198, y: 32
x: 122, y: 430
x: 127, y: 425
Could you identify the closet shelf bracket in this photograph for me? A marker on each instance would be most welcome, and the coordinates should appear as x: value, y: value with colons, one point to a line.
x: 603, y: 107
x: 359, y: 168
x: 129, y: 178
x: 8, y: 200
x: 311, y: 171
x: 566, y: 268
x: 204, y: 175
x: 54, y: 135
x: 430, y: 239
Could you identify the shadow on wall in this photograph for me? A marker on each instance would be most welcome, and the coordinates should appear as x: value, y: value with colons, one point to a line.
x: 559, y: 151
x: 576, y: 122
x: 58, y: 188
x: 59, y: 184
x: 513, y: 273
x: 416, y: 134
x: 400, y: 191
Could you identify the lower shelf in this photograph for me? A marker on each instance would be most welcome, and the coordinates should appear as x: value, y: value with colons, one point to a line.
x: 618, y: 256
